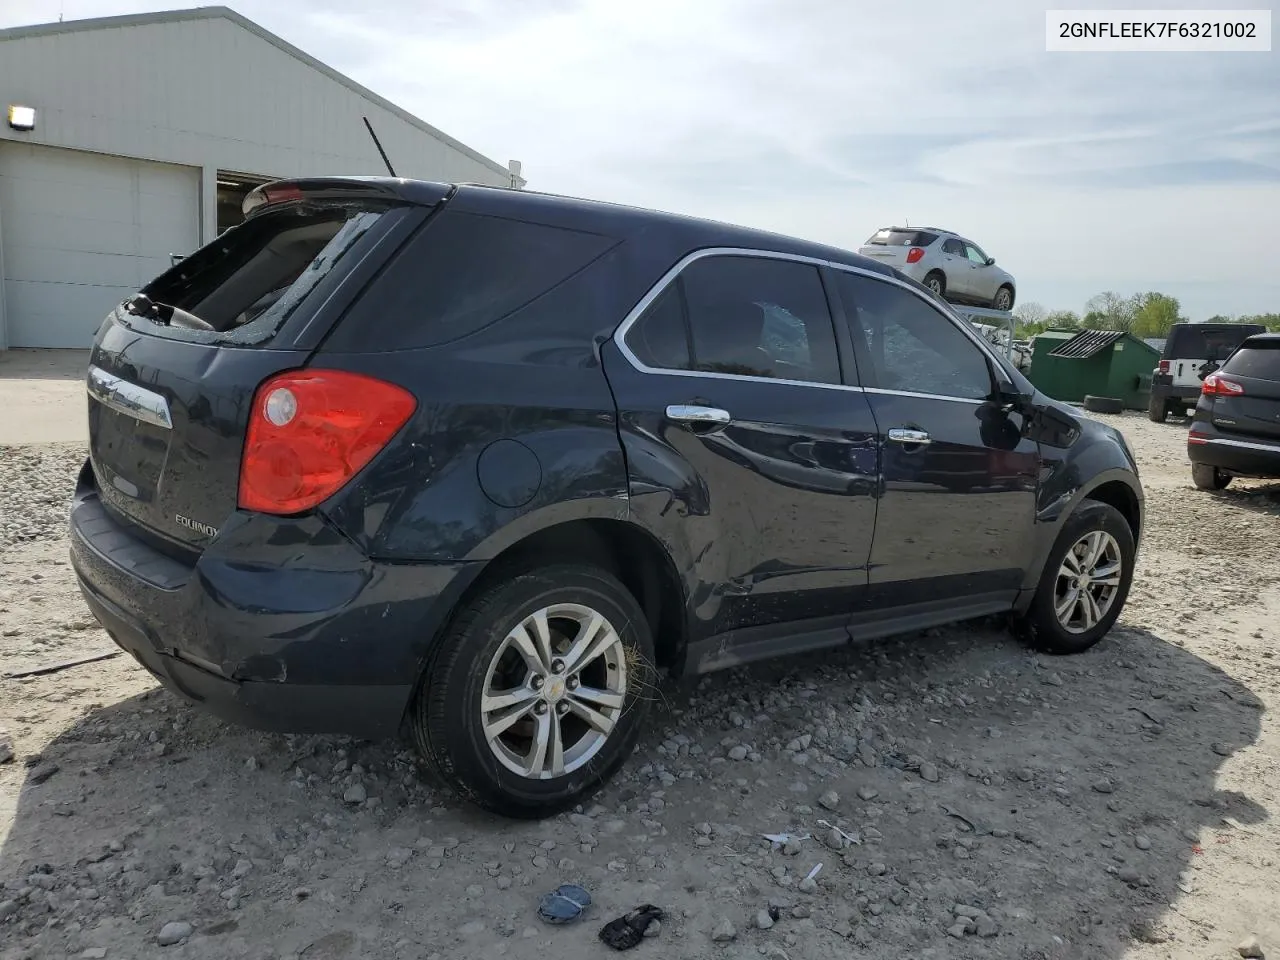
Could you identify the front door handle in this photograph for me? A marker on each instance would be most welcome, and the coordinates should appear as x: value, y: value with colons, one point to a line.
x: 700, y: 418
x: 909, y: 437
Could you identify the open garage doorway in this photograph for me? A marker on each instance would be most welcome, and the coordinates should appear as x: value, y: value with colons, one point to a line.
x: 232, y: 189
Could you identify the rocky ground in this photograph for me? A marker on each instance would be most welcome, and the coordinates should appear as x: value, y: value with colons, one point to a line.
x: 947, y: 795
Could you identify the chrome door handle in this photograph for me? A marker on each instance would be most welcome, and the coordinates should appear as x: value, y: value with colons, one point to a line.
x: 698, y: 416
x: 909, y: 438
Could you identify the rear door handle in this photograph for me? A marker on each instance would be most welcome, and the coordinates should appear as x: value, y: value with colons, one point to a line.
x: 908, y: 437
x: 701, y: 419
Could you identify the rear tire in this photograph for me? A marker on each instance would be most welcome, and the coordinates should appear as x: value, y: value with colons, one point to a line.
x: 1046, y: 626
x: 1157, y: 410
x: 1206, y: 477
x: 1103, y: 404
x: 505, y: 680
x: 936, y: 281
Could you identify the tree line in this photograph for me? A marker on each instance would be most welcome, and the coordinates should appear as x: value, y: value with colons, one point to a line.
x: 1146, y: 315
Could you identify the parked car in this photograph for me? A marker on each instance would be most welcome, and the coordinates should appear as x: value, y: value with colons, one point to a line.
x: 945, y: 262
x: 491, y: 459
x: 1191, y: 352
x: 1235, y: 430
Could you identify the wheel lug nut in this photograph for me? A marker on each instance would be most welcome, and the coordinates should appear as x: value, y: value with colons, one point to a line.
x: 573, y: 683
x: 537, y: 682
x: 540, y: 708
x: 562, y: 708
x: 557, y: 666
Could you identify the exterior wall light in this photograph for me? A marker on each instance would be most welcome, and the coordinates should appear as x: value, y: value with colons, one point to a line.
x: 22, y: 118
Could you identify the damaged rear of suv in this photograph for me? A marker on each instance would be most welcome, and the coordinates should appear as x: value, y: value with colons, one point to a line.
x: 474, y: 464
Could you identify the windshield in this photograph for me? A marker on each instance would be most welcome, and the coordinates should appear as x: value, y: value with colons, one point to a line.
x: 1259, y: 361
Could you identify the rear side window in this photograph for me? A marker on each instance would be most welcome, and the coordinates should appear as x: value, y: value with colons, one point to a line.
x: 902, y: 238
x: 248, y: 281
x: 463, y: 272
x: 661, y: 338
x: 749, y: 316
x: 1257, y: 362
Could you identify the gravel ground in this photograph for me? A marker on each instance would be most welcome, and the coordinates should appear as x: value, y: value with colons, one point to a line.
x: 964, y: 797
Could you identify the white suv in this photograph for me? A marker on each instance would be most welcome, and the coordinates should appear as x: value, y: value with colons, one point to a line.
x: 951, y: 266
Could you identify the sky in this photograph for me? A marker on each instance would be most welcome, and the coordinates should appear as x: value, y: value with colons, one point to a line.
x: 828, y: 119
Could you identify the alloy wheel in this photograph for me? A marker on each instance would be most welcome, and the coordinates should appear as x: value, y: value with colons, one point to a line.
x: 554, y: 691
x: 1088, y: 582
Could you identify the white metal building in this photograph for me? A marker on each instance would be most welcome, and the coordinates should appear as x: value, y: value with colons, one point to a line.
x: 147, y: 132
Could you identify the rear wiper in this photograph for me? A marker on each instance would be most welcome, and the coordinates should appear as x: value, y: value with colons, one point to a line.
x: 164, y: 314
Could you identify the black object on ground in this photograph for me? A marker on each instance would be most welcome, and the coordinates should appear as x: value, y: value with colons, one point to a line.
x: 627, y: 931
x: 564, y: 904
x: 1103, y: 404
x: 61, y: 665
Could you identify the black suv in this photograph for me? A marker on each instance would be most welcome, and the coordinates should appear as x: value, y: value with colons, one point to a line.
x: 476, y: 463
x: 1235, y: 430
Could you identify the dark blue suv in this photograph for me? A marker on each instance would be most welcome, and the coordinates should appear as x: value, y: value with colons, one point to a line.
x: 476, y: 464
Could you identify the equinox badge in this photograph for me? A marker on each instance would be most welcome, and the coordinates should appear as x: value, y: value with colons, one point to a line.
x: 196, y: 525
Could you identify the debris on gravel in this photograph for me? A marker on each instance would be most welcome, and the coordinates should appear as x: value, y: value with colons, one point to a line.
x: 174, y: 932
x: 951, y: 785
x: 724, y: 931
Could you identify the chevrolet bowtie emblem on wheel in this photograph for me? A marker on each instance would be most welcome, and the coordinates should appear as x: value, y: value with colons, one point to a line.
x: 196, y: 525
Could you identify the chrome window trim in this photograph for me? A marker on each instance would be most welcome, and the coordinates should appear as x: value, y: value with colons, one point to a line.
x: 1244, y: 444
x: 923, y: 396
x: 128, y: 398
x: 620, y: 334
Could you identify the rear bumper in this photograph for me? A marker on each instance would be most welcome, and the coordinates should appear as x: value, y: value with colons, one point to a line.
x: 1162, y: 386
x: 1252, y: 456
x: 289, y: 630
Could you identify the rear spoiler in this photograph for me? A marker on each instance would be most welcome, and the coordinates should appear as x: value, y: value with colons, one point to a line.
x: 345, y: 189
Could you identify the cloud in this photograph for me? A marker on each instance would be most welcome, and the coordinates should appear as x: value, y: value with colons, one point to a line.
x: 826, y: 118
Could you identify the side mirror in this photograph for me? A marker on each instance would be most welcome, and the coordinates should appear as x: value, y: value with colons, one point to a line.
x: 1007, y: 394
x: 991, y: 261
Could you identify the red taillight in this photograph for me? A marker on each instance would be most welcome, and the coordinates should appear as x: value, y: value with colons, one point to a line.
x: 915, y: 254
x: 1164, y: 366
x: 1216, y: 385
x: 1197, y: 438
x: 266, y: 195
x: 310, y: 431
x: 282, y: 194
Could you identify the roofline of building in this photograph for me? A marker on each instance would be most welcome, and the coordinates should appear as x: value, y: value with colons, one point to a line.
x: 226, y: 13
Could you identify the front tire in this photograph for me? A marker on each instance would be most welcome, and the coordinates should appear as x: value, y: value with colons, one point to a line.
x: 1003, y: 299
x: 537, y: 692
x: 1084, y: 584
x: 1206, y: 477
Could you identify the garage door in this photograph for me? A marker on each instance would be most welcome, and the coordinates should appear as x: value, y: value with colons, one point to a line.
x: 80, y: 232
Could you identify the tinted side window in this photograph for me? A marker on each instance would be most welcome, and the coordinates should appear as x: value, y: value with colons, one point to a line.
x: 760, y: 317
x: 463, y: 272
x: 660, y: 338
x: 954, y: 247
x: 911, y: 346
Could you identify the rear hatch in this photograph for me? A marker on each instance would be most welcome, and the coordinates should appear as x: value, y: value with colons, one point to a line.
x: 169, y: 404
x: 894, y: 245
x: 1245, y: 393
x: 1193, y: 350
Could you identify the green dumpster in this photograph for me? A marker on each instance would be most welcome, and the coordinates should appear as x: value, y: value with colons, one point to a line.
x: 1068, y: 364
